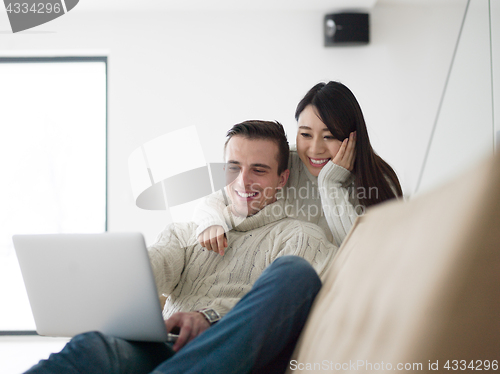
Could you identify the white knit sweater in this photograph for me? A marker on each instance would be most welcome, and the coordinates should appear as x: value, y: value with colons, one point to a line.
x: 194, y: 278
x: 323, y: 200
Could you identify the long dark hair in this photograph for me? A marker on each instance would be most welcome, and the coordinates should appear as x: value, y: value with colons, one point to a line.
x: 340, y: 112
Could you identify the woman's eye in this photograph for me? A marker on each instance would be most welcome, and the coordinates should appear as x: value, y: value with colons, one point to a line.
x: 305, y: 135
x: 329, y: 137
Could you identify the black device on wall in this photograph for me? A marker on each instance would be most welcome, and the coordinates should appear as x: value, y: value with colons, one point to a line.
x: 346, y: 29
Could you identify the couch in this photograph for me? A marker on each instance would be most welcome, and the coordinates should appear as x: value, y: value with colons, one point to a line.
x: 414, y: 287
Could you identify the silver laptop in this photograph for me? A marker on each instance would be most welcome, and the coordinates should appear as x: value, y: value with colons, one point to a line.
x: 91, y: 282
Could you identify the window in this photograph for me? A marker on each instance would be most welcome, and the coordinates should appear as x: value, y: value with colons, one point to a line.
x: 52, y: 160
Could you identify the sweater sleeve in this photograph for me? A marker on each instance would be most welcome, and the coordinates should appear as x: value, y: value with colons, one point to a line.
x: 339, y: 211
x: 209, y: 212
x: 167, y: 257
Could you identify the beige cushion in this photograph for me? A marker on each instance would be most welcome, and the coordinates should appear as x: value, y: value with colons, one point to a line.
x: 413, y: 282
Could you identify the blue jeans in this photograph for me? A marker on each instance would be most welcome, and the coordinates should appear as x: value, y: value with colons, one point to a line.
x: 258, y: 335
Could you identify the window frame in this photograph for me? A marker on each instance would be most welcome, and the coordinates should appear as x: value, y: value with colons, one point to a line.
x: 66, y: 59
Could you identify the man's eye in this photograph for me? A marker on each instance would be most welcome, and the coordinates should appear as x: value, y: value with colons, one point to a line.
x: 259, y: 171
x: 233, y: 169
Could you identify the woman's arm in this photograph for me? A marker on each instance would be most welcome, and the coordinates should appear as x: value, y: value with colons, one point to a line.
x: 338, y: 200
x: 212, y: 225
x: 334, y: 182
x: 209, y: 212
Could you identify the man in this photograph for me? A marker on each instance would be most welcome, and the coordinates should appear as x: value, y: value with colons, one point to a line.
x: 259, y: 332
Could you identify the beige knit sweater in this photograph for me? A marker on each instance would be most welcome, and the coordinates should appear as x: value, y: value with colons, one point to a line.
x: 324, y: 200
x: 194, y: 278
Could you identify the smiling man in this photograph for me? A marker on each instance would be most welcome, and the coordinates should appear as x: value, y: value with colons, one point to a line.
x: 256, y: 168
x: 218, y: 332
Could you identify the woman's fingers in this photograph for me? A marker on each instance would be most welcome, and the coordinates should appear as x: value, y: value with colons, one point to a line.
x: 350, y: 154
x: 346, y: 155
x: 213, y: 239
x: 339, y: 157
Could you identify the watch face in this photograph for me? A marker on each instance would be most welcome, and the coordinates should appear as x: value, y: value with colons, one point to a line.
x: 211, y: 315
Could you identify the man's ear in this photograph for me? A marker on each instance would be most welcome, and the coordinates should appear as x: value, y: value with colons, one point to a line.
x: 283, y: 178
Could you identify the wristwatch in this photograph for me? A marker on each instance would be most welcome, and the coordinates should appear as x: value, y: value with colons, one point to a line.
x: 210, y: 315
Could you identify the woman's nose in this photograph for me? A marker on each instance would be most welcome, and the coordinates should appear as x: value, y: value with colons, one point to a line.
x: 318, y: 145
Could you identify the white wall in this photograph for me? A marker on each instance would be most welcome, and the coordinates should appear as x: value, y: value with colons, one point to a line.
x: 464, y: 130
x: 174, y: 69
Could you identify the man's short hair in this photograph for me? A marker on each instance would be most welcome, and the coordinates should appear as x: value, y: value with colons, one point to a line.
x: 264, y: 130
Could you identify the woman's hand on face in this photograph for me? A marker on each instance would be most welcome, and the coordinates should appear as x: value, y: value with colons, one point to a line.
x: 346, y: 155
x: 213, y: 239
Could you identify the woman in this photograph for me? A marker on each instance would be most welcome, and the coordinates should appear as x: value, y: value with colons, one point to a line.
x: 334, y: 172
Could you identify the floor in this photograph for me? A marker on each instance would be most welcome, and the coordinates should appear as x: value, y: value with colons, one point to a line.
x: 19, y: 353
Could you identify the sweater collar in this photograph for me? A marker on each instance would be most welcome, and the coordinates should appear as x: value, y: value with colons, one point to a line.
x: 311, y: 177
x: 269, y: 214
x: 303, y: 167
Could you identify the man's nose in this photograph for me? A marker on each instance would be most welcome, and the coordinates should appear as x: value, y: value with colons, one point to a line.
x: 245, y: 178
